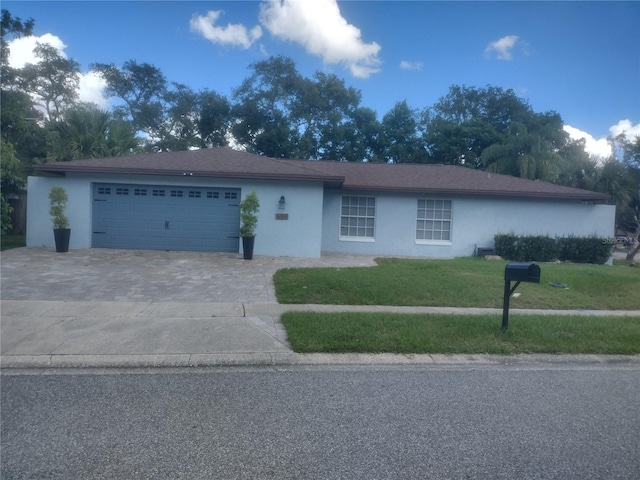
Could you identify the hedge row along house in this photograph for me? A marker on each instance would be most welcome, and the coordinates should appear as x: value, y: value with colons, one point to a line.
x: 189, y: 200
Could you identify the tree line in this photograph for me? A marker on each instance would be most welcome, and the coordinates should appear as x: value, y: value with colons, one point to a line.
x: 279, y: 113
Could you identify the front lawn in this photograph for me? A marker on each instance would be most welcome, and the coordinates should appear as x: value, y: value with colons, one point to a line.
x: 464, y: 282
x: 357, y: 332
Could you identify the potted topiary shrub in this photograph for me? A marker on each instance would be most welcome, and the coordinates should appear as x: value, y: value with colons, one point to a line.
x: 249, y: 207
x: 58, y: 204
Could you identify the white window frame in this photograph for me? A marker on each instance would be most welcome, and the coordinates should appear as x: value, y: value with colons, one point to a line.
x: 363, y: 213
x: 436, y: 214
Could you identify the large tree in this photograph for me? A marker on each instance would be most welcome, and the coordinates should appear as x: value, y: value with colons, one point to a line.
x: 213, y: 118
x: 52, y: 82
x: 462, y: 125
x: 400, y: 140
x: 15, y: 27
x: 11, y: 183
x: 362, y: 138
x: 141, y: 86
x: 264, y: 106
x: 192, y: 119
x: 324, y: 115
x: 629, y: 214
x: 577, y: 168
x: 279, y: 113
x: 21, y: 135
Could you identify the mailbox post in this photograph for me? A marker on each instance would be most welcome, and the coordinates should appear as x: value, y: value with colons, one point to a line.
x: 517, y: 272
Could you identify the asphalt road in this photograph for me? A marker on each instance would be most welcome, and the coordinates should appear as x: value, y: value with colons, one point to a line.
x: 489, y: 422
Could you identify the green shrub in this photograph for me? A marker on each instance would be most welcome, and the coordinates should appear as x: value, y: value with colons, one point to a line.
x: 585, y: 249
x: 542, y: 248
x: 526, y: 248
x: 507, y: 245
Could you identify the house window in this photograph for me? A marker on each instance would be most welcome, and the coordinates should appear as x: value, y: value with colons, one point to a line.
x: 434, y: 220
x: 357, y: 218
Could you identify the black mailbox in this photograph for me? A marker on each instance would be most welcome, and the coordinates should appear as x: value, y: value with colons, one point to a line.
x: 522, y: 272
x: 516, y: 272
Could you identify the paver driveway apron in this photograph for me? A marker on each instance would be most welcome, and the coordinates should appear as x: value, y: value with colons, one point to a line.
x: 146, y: 275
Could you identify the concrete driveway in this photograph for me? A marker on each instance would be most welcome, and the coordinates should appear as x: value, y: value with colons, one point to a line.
x: 99, y: 307
x: 149, y: 276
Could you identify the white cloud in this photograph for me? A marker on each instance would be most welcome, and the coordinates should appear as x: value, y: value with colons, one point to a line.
x: 405, y: 65
x: 233, y: 34
x: 21, y: 49
x: 596, y: 148
x: 21, y: 53
x: 626, y: 128
x: 91, y: 87
x: 319, y: 26
x: 502, y: 48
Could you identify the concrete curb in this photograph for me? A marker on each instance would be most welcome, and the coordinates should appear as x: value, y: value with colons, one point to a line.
x: 295, y: 359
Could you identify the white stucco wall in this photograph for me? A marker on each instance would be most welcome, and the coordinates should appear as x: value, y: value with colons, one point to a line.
x: 313, y: 223
x: 273, y: 237
x: 475, y: 222
x: 300, y: 235
x: 39, y: 223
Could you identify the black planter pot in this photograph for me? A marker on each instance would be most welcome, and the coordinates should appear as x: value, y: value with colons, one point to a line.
x: 247, y: 247
x: 61, y: 236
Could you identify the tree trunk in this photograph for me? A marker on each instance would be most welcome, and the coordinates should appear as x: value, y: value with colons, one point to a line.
x: 635, y: 246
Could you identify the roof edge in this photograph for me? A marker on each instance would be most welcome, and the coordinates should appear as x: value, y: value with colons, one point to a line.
x: 587, y: 195
x: 316, y: 176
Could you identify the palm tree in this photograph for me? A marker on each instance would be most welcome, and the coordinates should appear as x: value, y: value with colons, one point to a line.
x: 85, y: 131
x: 522, y: 154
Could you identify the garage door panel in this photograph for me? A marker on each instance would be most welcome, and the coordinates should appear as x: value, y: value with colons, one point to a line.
x: 165, y: 217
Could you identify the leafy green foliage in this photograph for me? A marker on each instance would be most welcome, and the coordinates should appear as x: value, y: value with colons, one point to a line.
x: 58, y: 199
x: 526, y: 248
x: 88, y: 132
x: 585, y: 249
x: 11, y: 182
x: 10, y: 25
x: 249, y: 207
x: 53, y: 81
x: 400, y: 140
x: 5, y: 215
x: 141, y: 87
x: 542, y: 248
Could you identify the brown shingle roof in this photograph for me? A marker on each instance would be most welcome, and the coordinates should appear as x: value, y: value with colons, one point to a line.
x: 229, y: 163
x: 447, y: 179
x: 209, y: 162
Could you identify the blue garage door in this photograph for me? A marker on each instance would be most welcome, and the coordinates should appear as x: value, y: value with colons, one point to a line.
x: 158, y: 217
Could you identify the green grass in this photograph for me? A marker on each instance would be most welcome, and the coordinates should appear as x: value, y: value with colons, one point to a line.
x: 464, y: 334
x: 12, y: 241
x: 464, y: 282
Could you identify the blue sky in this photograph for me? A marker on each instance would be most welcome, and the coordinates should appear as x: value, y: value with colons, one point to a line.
x: 580, y: 59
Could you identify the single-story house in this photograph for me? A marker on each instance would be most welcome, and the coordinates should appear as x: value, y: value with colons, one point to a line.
x: 189, y: 200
